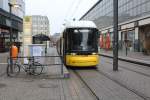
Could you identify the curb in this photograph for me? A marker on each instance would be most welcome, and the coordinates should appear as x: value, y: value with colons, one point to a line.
x: 66, y: 72
x: 131, y: 60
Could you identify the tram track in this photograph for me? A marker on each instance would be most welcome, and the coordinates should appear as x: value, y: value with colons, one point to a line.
x: 87, y: 86
x: 124, y: 86
x: 79, y: 75
x: 129, y: 69
x: 142, y: 95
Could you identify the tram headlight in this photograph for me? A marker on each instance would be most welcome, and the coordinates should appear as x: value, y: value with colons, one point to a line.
x: 73, y: 54
x: 94, y: 53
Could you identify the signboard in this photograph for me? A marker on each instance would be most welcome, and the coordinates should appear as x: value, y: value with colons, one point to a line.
x: 37, y: 51
x: 34, y: 50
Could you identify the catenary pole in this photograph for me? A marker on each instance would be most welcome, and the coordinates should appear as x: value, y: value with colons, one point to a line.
x: 115, y: 43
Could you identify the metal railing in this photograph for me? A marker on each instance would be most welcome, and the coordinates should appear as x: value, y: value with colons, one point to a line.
x: 43, y: 60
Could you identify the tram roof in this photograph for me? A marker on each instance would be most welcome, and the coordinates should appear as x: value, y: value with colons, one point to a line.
x: 80, y: 24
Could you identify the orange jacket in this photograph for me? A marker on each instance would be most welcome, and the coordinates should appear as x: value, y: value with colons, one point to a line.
x: 14, y: 52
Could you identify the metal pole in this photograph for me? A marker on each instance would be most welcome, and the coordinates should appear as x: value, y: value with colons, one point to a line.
x: 126, y: 43
x: 126, y: 50
x: 115, y: 43
x: 61, y: 56
x: 10, y: 11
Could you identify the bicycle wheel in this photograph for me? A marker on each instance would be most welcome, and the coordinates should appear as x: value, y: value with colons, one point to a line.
x: 14, y: 71
x: 36, y: 68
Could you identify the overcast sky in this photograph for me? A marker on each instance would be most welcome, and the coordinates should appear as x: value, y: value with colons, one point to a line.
x: 58, y: 10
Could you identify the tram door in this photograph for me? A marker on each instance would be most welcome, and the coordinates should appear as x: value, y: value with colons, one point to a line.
x: 128, y: 39
x: 131, y: 38
x: 123, y: 35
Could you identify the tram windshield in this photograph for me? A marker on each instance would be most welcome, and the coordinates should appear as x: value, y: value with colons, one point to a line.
x: 82, y: 39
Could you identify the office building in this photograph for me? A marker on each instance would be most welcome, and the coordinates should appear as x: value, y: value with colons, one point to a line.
x: 40, y: 25
x: 16, y: 22
x: 134, y: 22
x: 35, y: 25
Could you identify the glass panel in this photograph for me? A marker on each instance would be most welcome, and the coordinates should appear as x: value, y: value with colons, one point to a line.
x: 128, y: 10
x: 130, y: 38
x: 82, y: 39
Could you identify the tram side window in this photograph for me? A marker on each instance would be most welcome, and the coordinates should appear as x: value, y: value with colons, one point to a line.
x: 68, y: 38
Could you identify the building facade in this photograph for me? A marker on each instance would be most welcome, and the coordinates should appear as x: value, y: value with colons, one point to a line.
x: 16, y: 22
x: 34, y: 25
x: 134, y: 23
x: 18, y: 10
x: 40, y: 25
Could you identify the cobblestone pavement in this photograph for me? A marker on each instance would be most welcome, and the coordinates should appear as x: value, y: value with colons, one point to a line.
x: 131, y: 76
x: 2, y: 69
x: 3, y: 57
x: 27, y: 87
x: 3, y: 62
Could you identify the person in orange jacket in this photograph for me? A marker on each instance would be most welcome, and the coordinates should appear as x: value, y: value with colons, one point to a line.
x: 14, y: 52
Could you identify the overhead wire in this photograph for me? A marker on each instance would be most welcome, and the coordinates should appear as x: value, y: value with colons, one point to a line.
x: 67, y: 13
x: 71, y: 9
x: 75, y: 10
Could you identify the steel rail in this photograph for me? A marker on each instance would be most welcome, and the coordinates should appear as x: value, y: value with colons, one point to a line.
x: 88, y: 87
x: 130, y: 69
x: 122, y: 85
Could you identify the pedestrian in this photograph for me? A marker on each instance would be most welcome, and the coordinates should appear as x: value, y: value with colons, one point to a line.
x: 14, y: 52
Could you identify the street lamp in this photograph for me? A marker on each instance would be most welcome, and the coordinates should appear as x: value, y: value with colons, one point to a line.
x: 10, y: 15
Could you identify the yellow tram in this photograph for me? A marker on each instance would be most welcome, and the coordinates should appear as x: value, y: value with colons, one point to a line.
x: 79, y: 44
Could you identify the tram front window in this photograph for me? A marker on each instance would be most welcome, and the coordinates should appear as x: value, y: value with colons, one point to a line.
x: 83, y: 40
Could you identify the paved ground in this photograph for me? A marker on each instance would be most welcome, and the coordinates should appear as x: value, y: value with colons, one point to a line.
x: 3, y: 57
x: 105, y: 88
x: 3, y: 61
x: 26, y: 87
x: 42, y: 89
x: 135, y: 77
x: 2, y: 69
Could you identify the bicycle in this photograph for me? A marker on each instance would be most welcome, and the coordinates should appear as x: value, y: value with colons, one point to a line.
x: 32, y: 68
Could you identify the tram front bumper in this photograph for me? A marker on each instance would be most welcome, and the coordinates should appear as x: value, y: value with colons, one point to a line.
x: 82, y: 60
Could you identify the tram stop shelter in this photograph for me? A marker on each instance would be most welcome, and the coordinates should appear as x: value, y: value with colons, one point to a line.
x: 41, y: 39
